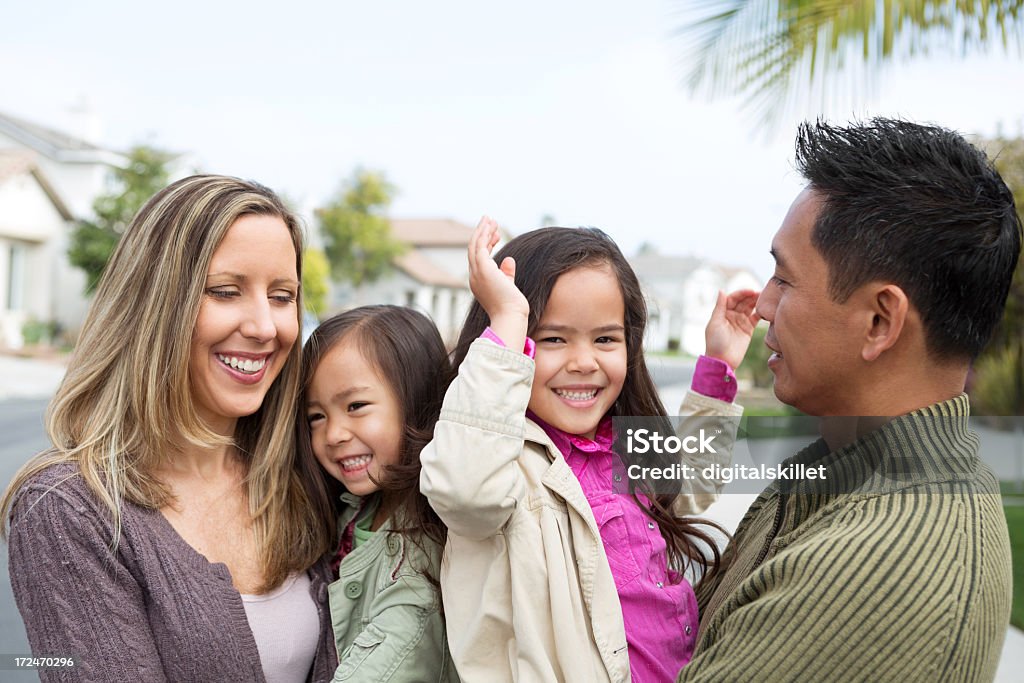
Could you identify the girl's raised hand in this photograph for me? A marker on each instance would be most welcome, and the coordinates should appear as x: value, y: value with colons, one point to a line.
x: 494, y: 287
x: 732, y: 323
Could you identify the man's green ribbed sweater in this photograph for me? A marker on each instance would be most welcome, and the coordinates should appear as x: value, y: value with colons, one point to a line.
x: 896, y: 567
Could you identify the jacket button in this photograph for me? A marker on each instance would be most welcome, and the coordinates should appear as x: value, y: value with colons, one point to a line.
x: 353, y: 589
x: 392, y: 544
x: 688, y: 630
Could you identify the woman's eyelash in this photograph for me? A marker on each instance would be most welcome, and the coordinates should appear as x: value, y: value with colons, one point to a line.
x: 284, y: 298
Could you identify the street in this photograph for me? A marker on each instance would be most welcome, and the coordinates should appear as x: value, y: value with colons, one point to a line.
x: 21, y: 424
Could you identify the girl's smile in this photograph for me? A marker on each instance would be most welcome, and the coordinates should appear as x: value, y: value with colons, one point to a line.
x: 578, y: 396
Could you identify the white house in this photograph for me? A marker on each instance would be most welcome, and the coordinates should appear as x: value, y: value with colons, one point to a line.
x: 34, y: 221
x: 681, y: 292
x: 431, y: 276
x: 48, y: 180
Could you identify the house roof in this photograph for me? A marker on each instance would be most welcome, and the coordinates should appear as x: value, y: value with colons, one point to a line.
x: 14, y: 163
x: 55, y: 144
x: 430, y: 232
x: 733, y: 271
x: 659, y: 267
x: 417, y: 266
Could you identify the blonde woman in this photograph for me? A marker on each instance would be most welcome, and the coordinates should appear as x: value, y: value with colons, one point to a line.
x: 169, y: 534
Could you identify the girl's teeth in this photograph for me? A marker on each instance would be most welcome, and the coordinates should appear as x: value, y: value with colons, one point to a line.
x: 246, y: 365
x: 355, y: 463
x: 577, y: 395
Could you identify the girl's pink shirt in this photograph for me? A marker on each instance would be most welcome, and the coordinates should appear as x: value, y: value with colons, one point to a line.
x: 659, y: 608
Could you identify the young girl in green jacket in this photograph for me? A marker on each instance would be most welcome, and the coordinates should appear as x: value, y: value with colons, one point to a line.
x: 373, y: 379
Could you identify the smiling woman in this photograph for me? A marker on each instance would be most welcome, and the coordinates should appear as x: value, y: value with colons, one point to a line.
x: 164, y: 517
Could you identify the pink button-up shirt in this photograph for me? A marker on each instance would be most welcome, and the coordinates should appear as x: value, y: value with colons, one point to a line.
x: 659, y: 610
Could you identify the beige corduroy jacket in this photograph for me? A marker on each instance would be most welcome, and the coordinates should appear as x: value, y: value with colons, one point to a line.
x: 527, y: 590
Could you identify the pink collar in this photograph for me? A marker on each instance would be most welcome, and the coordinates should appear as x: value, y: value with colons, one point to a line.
x: 602, y: 442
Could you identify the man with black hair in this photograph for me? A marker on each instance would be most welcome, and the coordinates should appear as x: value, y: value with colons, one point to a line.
x: 892, y: 269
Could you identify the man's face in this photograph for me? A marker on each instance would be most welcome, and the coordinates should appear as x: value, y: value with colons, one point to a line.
x: 816, y: 342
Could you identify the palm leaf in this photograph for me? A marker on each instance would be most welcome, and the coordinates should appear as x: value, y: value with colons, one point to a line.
x: 780, y: 53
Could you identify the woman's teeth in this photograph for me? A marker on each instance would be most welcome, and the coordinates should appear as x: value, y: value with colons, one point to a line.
x: 246, y: 365
x: 355, y: 462
x: 576, y: 395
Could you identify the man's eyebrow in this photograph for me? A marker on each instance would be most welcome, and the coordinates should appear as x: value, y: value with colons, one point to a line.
x: 778, y: 258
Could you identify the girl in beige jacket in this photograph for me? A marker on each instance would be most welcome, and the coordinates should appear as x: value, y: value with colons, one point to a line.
x: 556, y: 568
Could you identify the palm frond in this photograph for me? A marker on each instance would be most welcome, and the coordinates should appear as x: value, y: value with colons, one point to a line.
x: 753, y: 47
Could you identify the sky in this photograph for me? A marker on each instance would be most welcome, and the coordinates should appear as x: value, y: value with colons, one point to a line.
x: 573, y: 109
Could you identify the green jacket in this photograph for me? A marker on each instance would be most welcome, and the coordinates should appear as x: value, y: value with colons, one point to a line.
x: 386, y: 615
x: 895, y: 567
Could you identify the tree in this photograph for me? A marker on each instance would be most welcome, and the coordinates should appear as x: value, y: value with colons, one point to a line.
x: 777, y: 52
x: 356, y: 233
x: 315, y: 271
x: 999, y: 387
x: 93, y: 241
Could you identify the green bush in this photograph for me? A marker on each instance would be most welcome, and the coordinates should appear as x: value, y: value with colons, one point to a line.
x: 35, y: 332
x: 755, y: 364
x: 998, y: 378
x: 1015, y: 525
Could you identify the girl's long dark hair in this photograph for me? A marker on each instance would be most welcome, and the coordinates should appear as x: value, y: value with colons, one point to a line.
x: 544, y: 255
x: 406, y: 350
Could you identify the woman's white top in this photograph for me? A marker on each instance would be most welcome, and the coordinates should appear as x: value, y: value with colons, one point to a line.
x: 286, y: 626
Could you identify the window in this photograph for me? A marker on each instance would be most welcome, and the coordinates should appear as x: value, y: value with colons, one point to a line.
x: 16, y: 277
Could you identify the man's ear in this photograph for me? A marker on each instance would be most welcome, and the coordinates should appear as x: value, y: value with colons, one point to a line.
x: 890, y: 308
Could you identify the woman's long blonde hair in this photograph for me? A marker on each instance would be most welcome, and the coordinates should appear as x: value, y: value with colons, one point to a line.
x: 127, y: 394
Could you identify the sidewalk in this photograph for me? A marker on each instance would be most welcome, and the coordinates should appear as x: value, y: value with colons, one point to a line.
x: 1011, y: 663
x: 29, y: 377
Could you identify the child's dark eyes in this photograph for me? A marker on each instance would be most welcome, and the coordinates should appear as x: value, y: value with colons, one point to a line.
x: 356, y: 405
x: 314, y: 417
x: 599, y: 340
